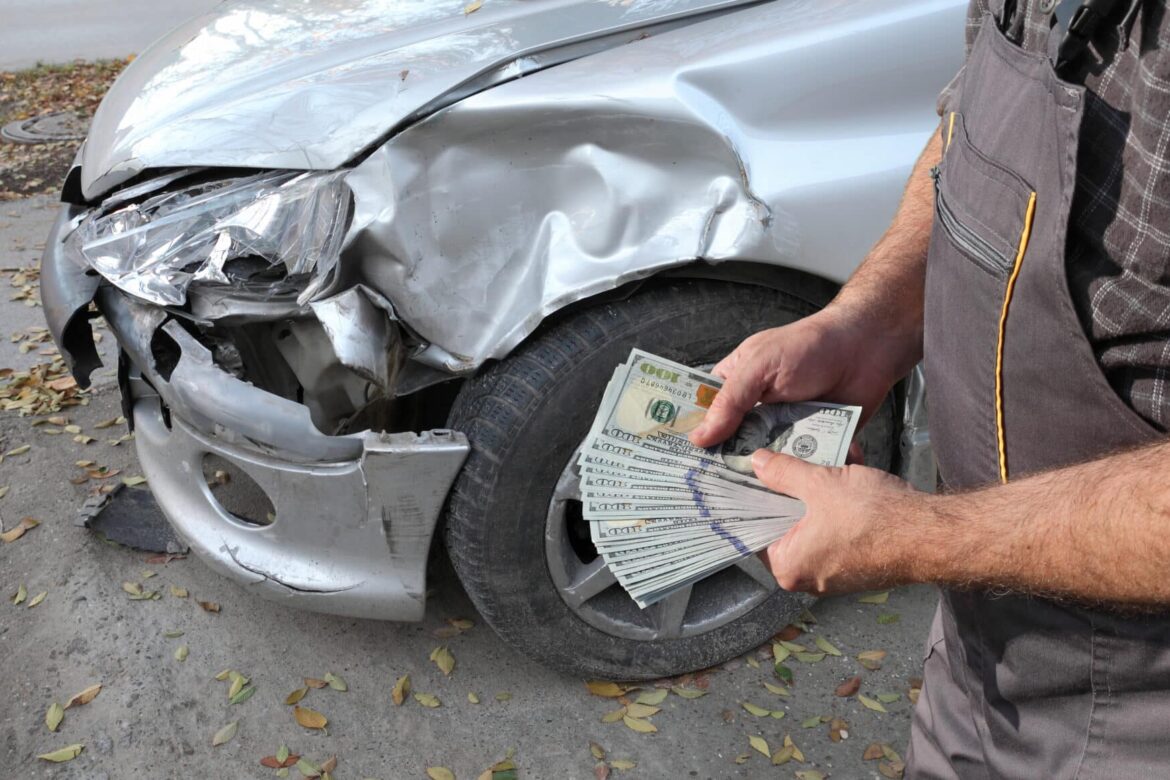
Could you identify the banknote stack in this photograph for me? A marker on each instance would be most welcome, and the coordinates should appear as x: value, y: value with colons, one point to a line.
x: 664, y: 513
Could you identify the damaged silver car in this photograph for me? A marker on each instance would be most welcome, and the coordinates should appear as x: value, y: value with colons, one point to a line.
x: 379, y: 258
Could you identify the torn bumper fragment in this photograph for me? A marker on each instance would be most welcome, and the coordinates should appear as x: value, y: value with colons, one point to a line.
x: 353, y: 514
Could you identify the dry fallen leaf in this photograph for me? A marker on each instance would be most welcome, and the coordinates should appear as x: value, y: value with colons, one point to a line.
x: 85, y: 697
x: 401, y: 690
x: 760, y: 745
x: 796, y: 754
x: 827, y: 646
x: 181, y: 653
x: 688, y: 693
x: 243, y: 695
x: 838, y: 730
x: 315, y: 683
x: 810, y: 774
x: 296, y: 695
x: 742, y: 758
x: 871, y: 659
x: 307, y: 768
x: 473, y: 697
x: 848, y: 688
x: 888, y: 698
x: 783, y: 755
x: 759, y: 712
x: 179, y: 593
x: 622, y: 764
x: 503, y: 696
x: 25, y: 524
x: 67, y: 753
x: 443, y: 659
x: 427, y: 700
x: 329, y: 764
x: 888, y: 618
x: 238, y: 683
x: 225, y: 734
x: 440, y: 773
x: 869, y: 703
x: 600, y: 772
x: 892, y: 769
x: 875, y: 598
x: 335, y: 682
x: 613, y: 716
x: 608, y: 690
x: 310, y: 719
x: 209, y: 606
x: 655, y: 697
x: 637, y: 710
x: 20, y: 595
x: 472, y: 7
x: 639, y: 725
x: 54, y: 716
x: 597, y: 750
x: 779, y: 690
x: 873, y: 751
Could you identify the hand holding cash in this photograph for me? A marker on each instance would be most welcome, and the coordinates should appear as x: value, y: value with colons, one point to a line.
x: 665, y: 513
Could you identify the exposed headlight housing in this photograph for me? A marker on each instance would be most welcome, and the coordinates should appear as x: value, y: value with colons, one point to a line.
x: 291, y: 221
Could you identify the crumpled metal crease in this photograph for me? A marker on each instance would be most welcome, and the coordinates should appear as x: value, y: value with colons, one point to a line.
x: 156, y: 248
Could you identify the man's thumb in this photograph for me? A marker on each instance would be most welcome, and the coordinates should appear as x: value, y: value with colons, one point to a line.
x: 781, y: 473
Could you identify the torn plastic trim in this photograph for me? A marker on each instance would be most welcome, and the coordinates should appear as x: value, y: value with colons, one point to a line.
x: 209, y: 398
x: 349, y: 538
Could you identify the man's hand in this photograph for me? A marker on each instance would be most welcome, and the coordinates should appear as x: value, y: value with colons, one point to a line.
x: 827, y: 356
x: 850, y: 537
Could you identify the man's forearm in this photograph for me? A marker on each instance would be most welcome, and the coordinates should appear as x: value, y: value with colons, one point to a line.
x: 1097, y: 531
x: 887, y: 289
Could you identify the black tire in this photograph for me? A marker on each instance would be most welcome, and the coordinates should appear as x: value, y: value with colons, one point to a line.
x: 527, y: 414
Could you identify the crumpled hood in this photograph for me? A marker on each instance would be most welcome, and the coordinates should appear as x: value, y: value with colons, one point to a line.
x: 308, y: 84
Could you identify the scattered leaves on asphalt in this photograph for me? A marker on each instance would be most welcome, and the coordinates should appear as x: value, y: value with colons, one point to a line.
x: 872, y: 659
x: 243, y: 695
x: 826, y: 646
x: 759, y: 712
x: 54, y: 716
x: 25, y: 525
x: 443, y: 659
x: 311, y: 719
x: 848, y: 688
x: 225, y: 734
x: 607, y: 690
x: 657, y: 696
x: 875, y: 598
x: 688, y: 693
x: 871, y: 704
x: 299, y: 694
x: 637, y: 710
x: 639, y: 725
x: 427, y: 700
x: 67, y: 753
x: 400, y: 692
x: 85, y: 697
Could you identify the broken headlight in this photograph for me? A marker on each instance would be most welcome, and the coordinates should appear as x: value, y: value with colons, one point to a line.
x: 290, y: 223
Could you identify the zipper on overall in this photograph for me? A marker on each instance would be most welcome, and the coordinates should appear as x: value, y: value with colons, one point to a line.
x: 971, y: 243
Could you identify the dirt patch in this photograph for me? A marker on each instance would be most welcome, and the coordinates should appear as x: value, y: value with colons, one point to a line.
x: 32, y: 169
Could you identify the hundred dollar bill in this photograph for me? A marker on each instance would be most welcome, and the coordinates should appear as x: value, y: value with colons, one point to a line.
x: 664, y: 513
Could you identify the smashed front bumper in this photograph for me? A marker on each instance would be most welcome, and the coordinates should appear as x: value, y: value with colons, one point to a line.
x: 354, y: 514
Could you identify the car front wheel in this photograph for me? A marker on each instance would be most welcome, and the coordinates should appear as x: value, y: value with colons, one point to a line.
x: 514, y: 529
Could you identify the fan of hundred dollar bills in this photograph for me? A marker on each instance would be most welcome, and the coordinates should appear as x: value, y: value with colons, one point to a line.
x: 664, y: 513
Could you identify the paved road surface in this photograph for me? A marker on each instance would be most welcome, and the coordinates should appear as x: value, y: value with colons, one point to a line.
x: 52, y: 31
x: 155, y: 716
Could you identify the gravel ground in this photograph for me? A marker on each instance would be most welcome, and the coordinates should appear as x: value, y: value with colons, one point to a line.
x: 156, y: 716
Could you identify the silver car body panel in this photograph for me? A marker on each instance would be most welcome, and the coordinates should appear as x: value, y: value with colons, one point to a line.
x: 297, y: 85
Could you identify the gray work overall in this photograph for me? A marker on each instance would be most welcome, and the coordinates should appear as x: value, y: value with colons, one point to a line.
x: 1018, y: 686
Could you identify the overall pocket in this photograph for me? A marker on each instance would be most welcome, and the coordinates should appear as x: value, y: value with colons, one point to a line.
x: 981, y: 221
